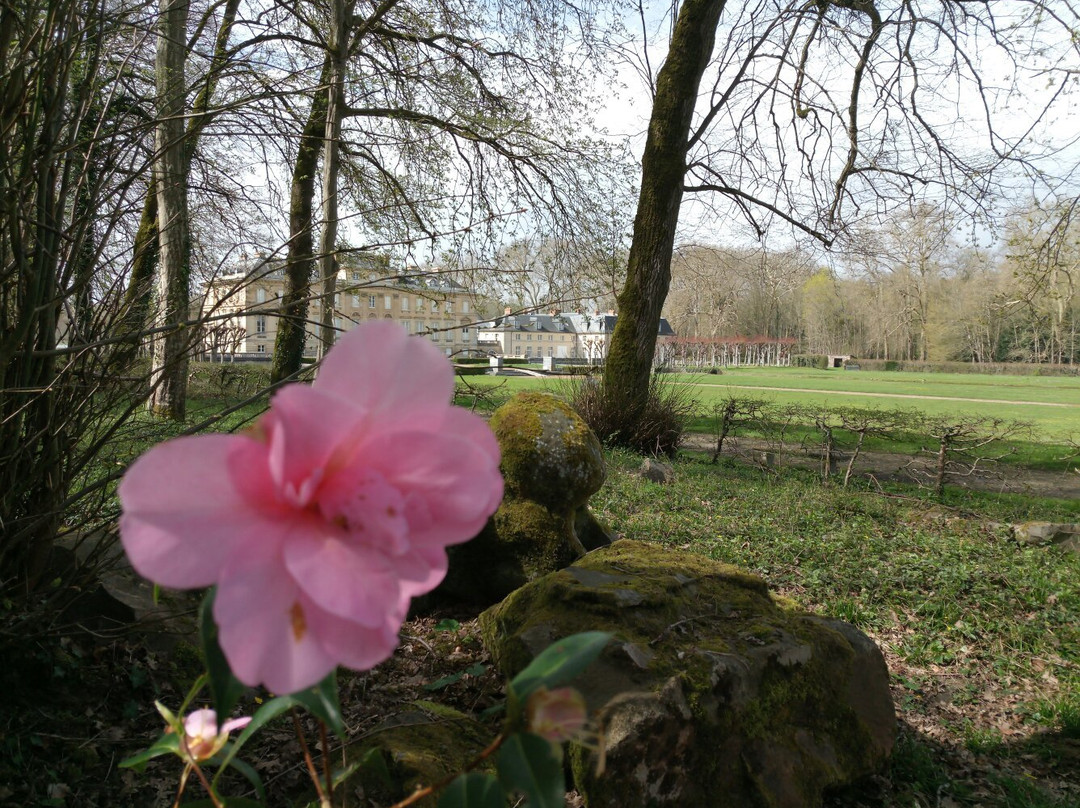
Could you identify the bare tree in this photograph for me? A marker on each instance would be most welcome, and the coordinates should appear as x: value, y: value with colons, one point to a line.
x: 818, y: 114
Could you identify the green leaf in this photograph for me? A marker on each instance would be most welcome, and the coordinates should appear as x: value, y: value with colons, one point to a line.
x: 322, y: 702
x: 447, y: 624
x: 225, y: 689
x: 227, y: 758
x: 473, y: 670
x: 268, y: 712
x: 532, y: 766
x: 167, y: 744
x: 560, y: 662
x: 473, y: 790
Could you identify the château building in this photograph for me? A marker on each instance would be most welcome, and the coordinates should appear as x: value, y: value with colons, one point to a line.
x: 242, y: 308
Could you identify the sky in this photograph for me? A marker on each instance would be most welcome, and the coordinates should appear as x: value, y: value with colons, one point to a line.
x: 1027, y: 100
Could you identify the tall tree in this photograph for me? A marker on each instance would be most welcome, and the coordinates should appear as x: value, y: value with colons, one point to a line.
x: 820, y: 113
x: 172, y: 340
x: 140, y: 289
x: 663, y: 168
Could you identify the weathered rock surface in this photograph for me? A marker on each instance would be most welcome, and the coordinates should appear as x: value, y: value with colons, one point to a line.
x: 418, y: 747
x: 713, y: 692
x: 1064, y: 534
x: 552, y: 464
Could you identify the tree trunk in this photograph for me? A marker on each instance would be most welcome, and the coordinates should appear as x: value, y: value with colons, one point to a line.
x: 137, y: 297
x: 299, y: 263
x: 168, y: 373
x: 663, y: 166
x: 339, y: 48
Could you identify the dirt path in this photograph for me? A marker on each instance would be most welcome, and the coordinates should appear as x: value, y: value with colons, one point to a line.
x: 893, y: 395
x: 888, y: 466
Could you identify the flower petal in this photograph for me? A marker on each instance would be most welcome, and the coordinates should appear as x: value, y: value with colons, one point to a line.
x: 346, y: 578
x: 182, y: 513
x: 263, y: 624
x: 400, y: 379
x: 308, y: 433
x: 458, y: 481
x: 355, y: 646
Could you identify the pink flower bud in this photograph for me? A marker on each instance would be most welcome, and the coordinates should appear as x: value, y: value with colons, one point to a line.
x: 557, y: 715
x: 203, y: 738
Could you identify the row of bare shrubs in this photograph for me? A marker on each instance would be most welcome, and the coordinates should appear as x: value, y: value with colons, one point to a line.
x: 948, y: 447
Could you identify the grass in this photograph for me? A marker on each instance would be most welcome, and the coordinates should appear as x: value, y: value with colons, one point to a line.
x: 1036, y: 400
x: 980, y: 633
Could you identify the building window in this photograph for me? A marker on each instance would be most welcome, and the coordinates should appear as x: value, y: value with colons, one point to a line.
x: 465, y: 307
x: 260, y: 348
x: 449, y: 306
x: 386, y: 302
x: 449, y: 352
x: 356, y: 275
x: 404, y: 304
x: 337, y: 301
x: 407, y: 326
x: 419, y: 304
x: 260, y: 295
x: 551, y: 337
x: 260, y: 324
x: 356, y: 301
x: 528, y: 337
x: 371, y: 301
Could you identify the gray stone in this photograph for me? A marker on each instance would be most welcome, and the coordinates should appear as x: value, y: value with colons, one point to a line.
x: 1063, y: 534
x: 657, y: 472
x: 713, y: 693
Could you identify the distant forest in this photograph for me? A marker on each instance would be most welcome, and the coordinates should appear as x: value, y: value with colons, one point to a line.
x: 909, y: 291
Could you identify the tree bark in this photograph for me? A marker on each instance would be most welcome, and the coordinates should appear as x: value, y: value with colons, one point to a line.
x: 168, y: 373
x: 300, y: 263
x: 663, y: 166
x: 339, y: 47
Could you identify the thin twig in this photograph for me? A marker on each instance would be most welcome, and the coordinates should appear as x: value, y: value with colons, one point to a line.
x: 307, y: 758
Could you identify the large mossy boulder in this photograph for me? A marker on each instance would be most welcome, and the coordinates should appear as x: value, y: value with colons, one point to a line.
x: 713, y: 693
x: 552, y: 464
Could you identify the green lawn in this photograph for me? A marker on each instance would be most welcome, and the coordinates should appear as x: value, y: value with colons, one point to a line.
x: 1050, y: 403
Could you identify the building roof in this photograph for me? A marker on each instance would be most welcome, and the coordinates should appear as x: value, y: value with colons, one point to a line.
x: 374, y: 274
x: 567, y: 323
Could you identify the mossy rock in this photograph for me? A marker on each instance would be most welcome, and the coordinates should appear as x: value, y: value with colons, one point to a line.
x: 713, y: 692
x: 549, y: 454
x: 419, y: 747
x: 552, y: 464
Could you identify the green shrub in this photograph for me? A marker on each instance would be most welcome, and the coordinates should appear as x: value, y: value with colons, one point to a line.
x: 819, y: 361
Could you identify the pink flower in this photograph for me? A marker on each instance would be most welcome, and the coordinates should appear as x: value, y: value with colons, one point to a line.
x: 203, y: 738
x: 556, y: 715
x: 319, y: 526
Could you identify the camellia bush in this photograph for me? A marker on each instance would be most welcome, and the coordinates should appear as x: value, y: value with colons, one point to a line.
x: 313, y: 532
